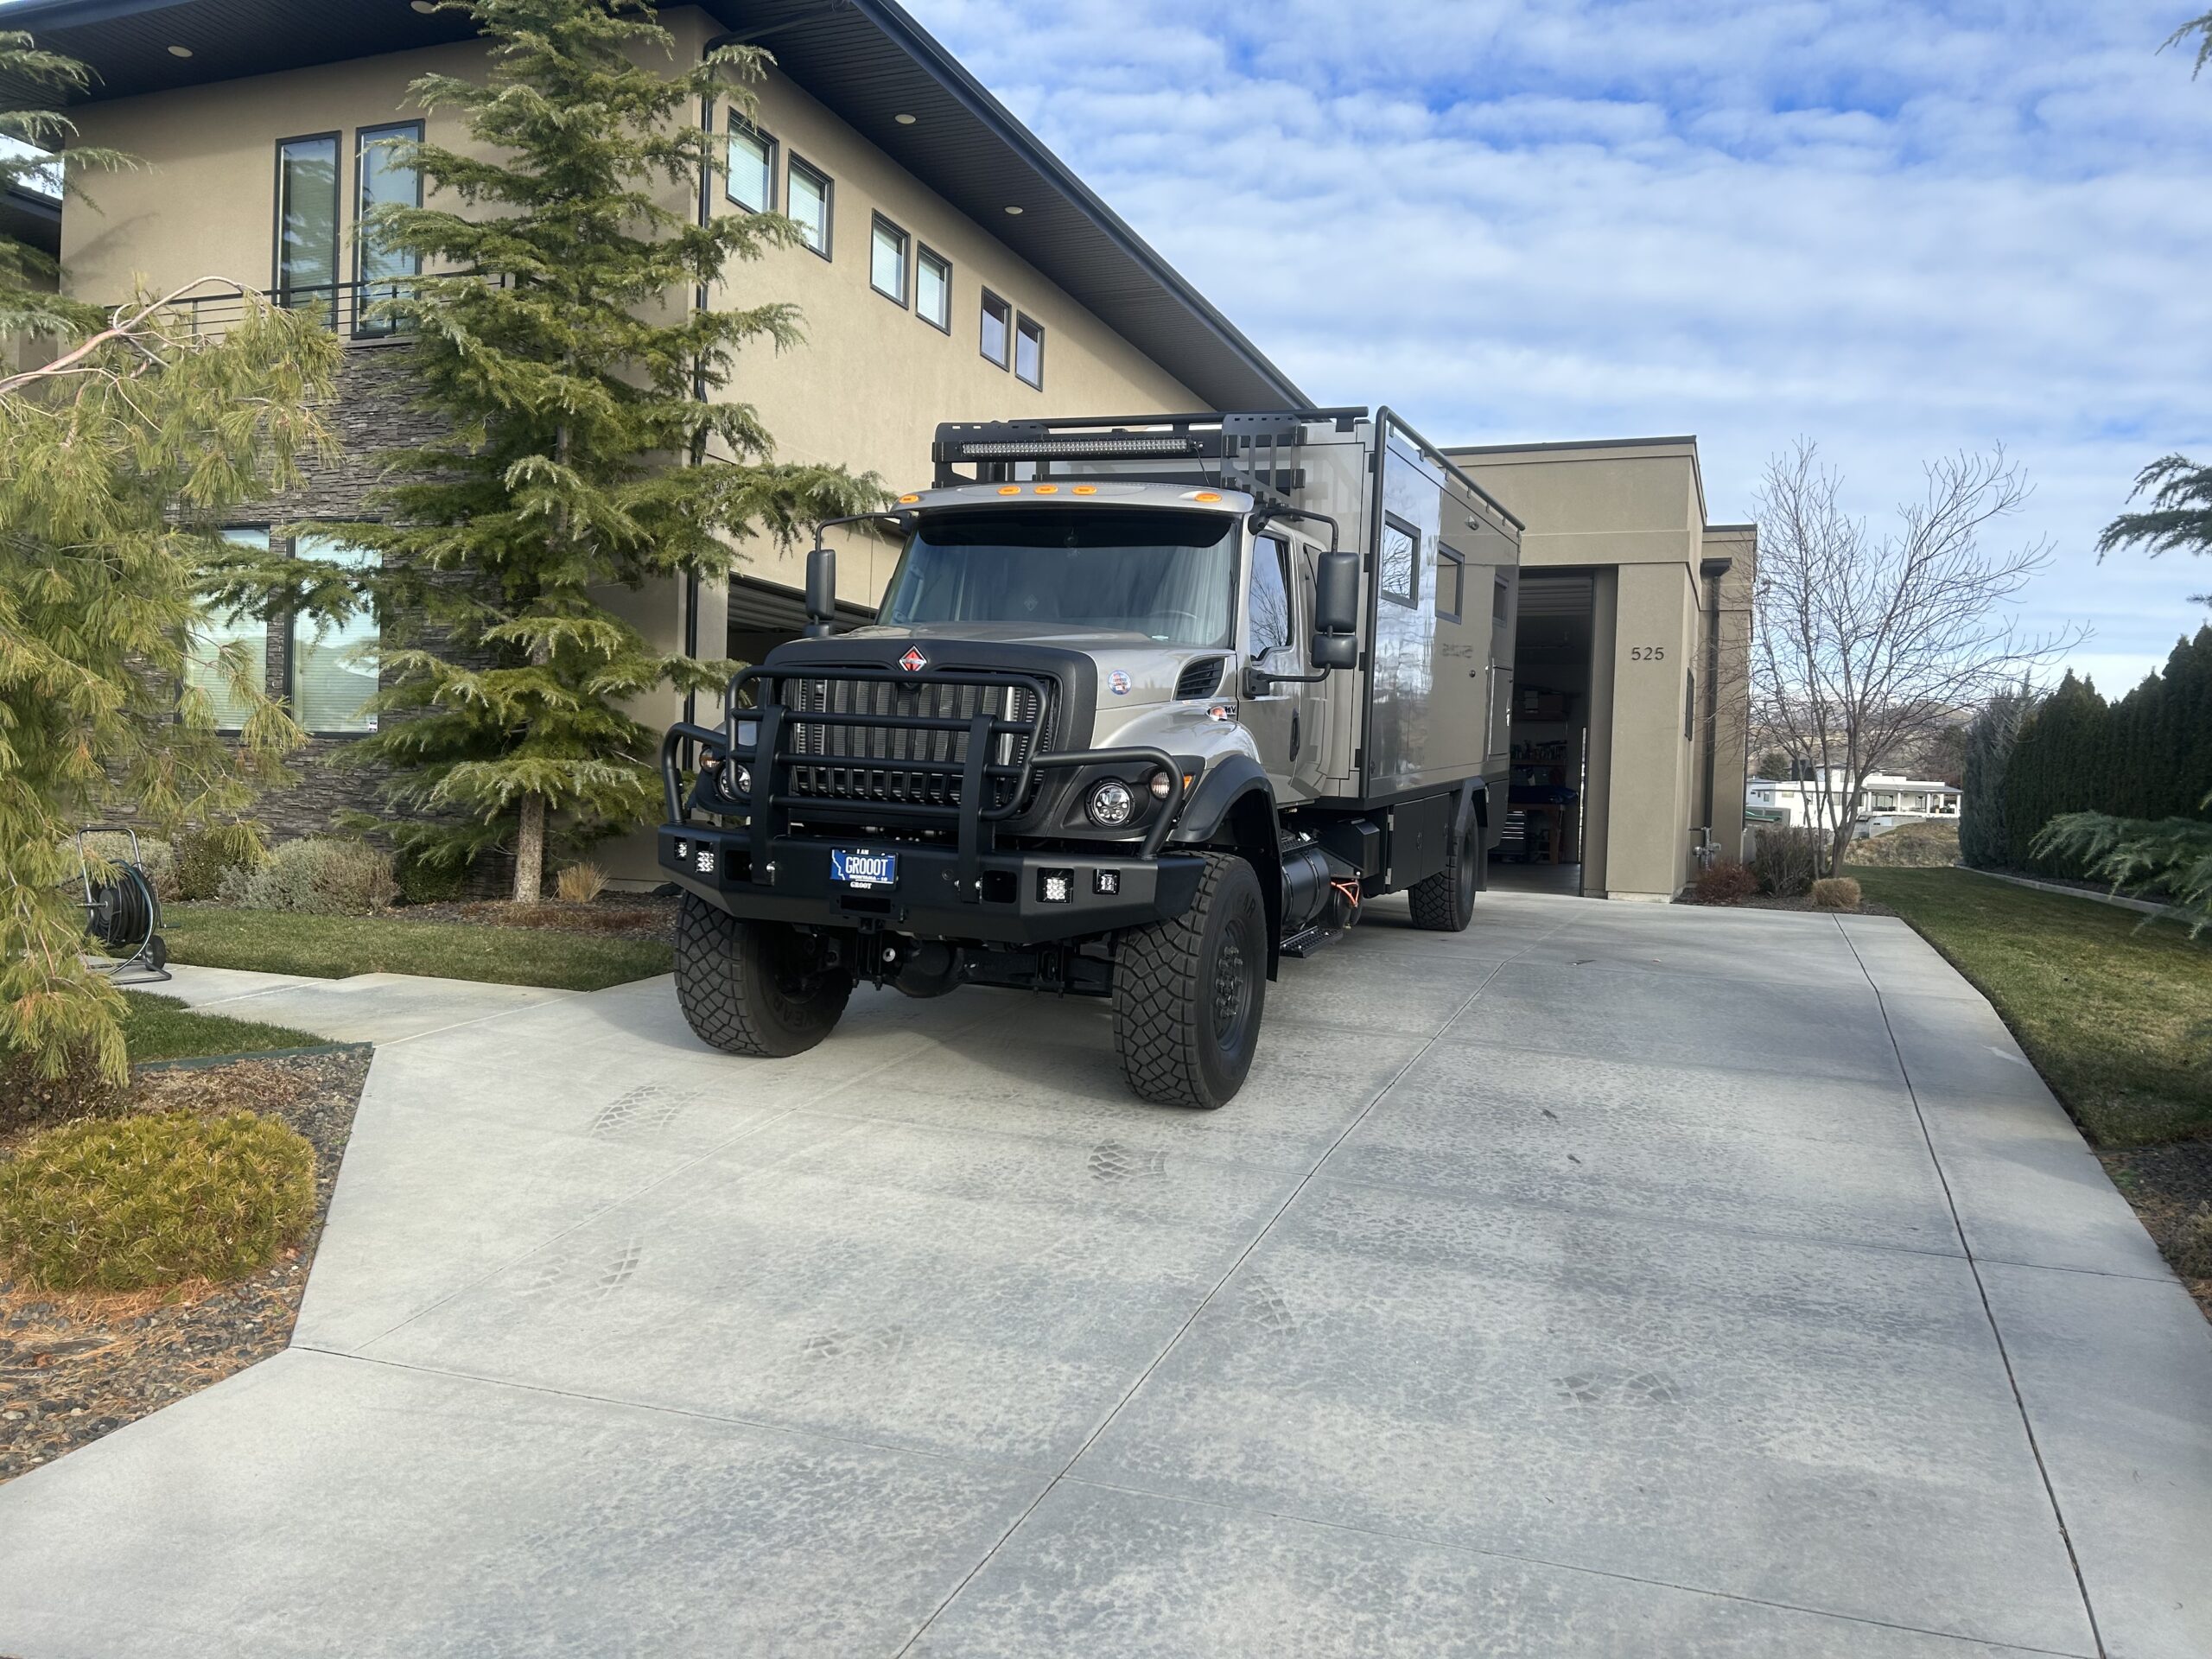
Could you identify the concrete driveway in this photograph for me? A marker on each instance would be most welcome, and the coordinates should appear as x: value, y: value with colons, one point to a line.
x: 1606, y: 1281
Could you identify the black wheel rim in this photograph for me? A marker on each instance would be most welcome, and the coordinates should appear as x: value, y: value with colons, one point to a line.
x: 1232, y: 985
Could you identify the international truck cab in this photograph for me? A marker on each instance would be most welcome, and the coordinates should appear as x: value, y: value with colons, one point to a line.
x: 1150, y: 705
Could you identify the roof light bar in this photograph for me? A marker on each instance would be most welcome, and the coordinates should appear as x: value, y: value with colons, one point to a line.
x: 1075, y: 449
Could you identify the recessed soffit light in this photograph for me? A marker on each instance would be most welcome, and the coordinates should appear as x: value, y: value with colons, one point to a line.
x: 1015, y: 211
x: 422, y: 6
x: 903, y: 119
x: 179, y: 51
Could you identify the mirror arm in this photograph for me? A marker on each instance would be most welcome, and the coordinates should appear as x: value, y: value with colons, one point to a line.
x: 1261, y: 516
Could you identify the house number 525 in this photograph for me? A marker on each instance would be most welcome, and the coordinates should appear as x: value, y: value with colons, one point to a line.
x: 1647, y: 653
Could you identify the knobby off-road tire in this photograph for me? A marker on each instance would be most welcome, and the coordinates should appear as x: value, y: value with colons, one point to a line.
x: 746, y: 987
x: 1188, y: 992
x: 1444, y: 902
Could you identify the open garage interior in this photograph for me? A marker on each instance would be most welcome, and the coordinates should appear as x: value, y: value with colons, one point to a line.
x: 1550, y: 804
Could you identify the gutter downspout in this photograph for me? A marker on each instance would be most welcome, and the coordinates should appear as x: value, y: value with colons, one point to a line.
x: 1712, y: 570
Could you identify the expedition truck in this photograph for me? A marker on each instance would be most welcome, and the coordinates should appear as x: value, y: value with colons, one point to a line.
x: 1152, y: 703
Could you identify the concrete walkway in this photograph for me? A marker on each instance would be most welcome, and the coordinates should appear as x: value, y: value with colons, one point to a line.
x: 1609, y: 1280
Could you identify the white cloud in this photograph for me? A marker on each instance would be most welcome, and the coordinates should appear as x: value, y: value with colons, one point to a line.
x: 1898, y: 227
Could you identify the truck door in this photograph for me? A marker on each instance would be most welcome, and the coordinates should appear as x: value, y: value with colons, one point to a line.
x: 1286, y: 720
x: 1270, y: 710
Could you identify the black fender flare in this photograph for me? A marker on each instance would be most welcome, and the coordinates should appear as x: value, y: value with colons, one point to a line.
x: 1234, y: 807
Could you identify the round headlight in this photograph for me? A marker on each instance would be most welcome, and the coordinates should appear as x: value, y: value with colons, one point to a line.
x: 1111, y: 805
x: 740, y: 780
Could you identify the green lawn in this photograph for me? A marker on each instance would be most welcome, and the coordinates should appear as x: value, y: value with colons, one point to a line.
x: 162, y: 1028
x: 2116, y: 1015
x: 334, y: 947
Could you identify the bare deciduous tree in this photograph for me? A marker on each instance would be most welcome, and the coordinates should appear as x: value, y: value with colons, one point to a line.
x: 1864, y: 648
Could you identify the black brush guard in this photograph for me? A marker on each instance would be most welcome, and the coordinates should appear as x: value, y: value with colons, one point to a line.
x: 968, y: 772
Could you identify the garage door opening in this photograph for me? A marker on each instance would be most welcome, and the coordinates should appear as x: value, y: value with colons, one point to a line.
x: 1548, y: 802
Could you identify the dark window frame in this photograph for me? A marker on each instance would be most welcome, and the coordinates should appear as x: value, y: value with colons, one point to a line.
x: 924, y: 252
x: 1285, y: 569
x: 363, y: 137
x: 1446, y: 554
x: 284, y: 678
x: 739, y: 125
x: 1411, y: 601
x: 1023, y: 319
x: 1501, y: 600
x: 879, y: 222
x: 292, y: 619
x: 796, y: 162
x: 983, y: 309
x: 336, y: 138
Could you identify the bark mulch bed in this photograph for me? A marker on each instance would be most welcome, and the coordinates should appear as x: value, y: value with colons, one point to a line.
x: 613, y: 915
x: 74, y: 1365
x: 1804, y: 901
x: 2168, y: 1185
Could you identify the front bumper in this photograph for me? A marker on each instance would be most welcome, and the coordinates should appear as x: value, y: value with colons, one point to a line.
x: 1007, y: 904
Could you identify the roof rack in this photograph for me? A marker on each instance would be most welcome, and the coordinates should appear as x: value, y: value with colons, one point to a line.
x: 1241, y: 450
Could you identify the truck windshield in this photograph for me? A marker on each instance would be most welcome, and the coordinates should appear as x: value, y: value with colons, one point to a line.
x: 1168, y: 575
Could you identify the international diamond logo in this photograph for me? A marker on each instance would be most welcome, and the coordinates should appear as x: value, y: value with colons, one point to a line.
x: 913, y: 662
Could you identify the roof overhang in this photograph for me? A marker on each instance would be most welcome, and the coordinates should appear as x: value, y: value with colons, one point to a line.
x: 865, y: 60
x: 32, y: 217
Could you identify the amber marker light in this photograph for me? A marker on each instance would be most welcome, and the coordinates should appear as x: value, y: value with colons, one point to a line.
x: 1009, y: 489
x: 1048, y: 489
x: 908, y: 500
x: 1086, y: 489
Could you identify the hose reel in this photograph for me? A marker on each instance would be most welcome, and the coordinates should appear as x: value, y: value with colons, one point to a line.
x: 123, y: 913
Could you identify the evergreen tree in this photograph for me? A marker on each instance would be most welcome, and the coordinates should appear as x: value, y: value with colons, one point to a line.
x: 1983, y: 839
x: 578, y: 379
x: 29, y: 303
x: 114, y: 449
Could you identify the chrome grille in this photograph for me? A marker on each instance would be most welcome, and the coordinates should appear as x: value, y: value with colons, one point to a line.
x: 883, y: 759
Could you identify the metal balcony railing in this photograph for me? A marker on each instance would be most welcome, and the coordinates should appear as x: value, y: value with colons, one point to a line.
x: 348, y: 309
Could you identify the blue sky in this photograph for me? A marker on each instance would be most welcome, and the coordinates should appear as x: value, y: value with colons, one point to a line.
x: 1895, y: 228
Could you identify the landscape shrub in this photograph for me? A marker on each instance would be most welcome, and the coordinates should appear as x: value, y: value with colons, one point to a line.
x: 1786, y: 860
x: 204, y: 857
x: 316, y: 877
x: 1726, y: 883
x: 580, y: 884
x: 424, y: 883
x: 155, y: 856
x: 1909, y: 847
x: 1835, y: 893
x: 131, y: 1202
x: 82, y: 1090
x: 2193, y: 1243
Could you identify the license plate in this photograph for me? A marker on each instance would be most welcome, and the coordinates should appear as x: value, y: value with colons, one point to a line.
x: 863, y: 871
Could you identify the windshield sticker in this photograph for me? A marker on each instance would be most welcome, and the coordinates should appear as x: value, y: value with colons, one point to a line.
x: 1118, y: 681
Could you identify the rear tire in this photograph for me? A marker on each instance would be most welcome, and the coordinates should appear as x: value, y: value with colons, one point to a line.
x: 752, y: 988
x: 1188, y: 992
x: 1444, y: 902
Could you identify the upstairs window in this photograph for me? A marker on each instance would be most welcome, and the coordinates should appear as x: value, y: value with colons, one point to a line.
x: 997, y: 330
x: 886, y: 260
x: 307, y: 224
x: 384, y: 179
x: 1029, y: 351
x: 241, y: 636
x: 809, y: 195
x: 933, y: 290
x: 334, y: 666
x: 751, y: 181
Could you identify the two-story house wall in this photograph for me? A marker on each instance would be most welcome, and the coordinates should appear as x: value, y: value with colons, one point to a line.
x: 951, y: 270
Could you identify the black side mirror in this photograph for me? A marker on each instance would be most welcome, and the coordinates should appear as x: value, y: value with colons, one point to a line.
x: 821, y: 590
x: 1336, y: 611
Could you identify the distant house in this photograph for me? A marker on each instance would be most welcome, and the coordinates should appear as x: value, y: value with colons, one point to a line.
x: 1884, y: 801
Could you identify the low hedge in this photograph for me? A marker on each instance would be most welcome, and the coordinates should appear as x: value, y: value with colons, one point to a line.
x: 133, y: 1203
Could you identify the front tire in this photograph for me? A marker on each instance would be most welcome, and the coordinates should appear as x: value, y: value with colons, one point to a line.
x: 1188, y: 992
x: 1444, y: 902
x: 756, y: 988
